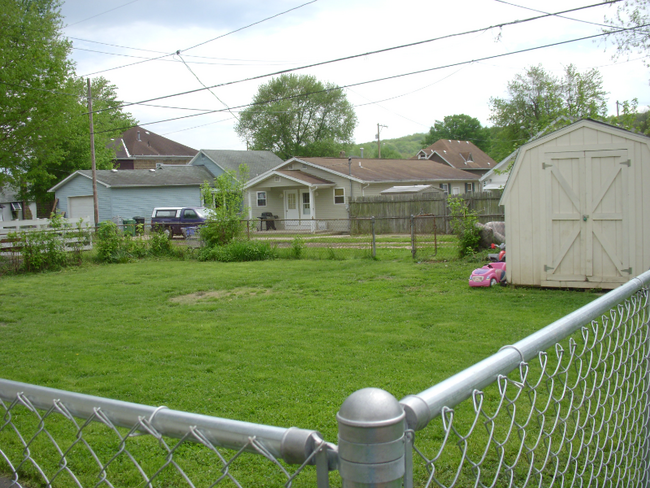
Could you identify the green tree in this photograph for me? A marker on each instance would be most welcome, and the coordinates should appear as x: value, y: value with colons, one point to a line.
x: 226, y: 203
x: 631, y: 14
x: 73, y: 143
x: 44, y: 129
x: 297, y: 115
x: 538, y: 100
x: 459, y: 127
x: 35, y: 70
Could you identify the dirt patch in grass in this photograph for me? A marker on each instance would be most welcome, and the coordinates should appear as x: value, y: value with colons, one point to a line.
x: 219, y: 295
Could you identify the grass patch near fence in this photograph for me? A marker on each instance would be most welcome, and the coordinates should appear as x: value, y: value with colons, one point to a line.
x: 275, y: 342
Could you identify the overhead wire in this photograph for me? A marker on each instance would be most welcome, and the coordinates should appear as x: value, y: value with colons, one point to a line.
x: 401, y: 75
x: 209, y: 40
x: 107, y: 11
x: 369, y: 53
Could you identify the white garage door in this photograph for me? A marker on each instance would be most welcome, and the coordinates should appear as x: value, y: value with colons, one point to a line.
x: 81, y: 208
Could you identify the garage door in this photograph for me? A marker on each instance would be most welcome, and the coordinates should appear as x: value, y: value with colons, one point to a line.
x: 81, y: 208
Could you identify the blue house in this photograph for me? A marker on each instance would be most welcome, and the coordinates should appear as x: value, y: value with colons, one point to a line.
x: 127, y: 193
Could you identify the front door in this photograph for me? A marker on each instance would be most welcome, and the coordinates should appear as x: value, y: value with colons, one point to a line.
x: 587, y: 195
x: 291, y: 207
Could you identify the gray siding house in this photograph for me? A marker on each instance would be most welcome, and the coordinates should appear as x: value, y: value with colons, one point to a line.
x: 124, y: 194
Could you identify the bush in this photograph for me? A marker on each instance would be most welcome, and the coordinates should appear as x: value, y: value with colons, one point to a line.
x: 42, y: 250
x: 239, y: 251
x: 297, y: 247
x: 114, y: 246
x: 463, y: 224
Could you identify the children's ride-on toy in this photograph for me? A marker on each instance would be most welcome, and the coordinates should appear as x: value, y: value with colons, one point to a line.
x: 489, y: 275
x: 493, y: 273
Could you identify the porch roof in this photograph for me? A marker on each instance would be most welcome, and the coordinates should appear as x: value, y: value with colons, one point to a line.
x: 302, y: 177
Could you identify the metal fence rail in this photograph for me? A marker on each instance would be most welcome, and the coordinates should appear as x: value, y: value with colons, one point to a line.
x: 33, y: 440
x: 567, y: 406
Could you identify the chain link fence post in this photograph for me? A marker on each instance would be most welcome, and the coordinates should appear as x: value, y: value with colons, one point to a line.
x: 413, y: 249
x: 374, y: 240
x: 371, y: 440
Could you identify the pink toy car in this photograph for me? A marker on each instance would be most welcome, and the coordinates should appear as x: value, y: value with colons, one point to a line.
x: 489, y: 275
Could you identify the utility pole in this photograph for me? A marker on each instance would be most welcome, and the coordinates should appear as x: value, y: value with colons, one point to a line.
x: 616, y: 108
x: 379, y: 127
x: 92, y: 155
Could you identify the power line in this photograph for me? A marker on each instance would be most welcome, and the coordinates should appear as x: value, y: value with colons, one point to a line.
x: 402, y: 75
x: 556, y: 15
x: 369, y: 53
x: 209, y: 40
x: 107, y: 11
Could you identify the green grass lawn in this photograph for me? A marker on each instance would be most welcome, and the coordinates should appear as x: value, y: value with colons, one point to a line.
x: 278, y: 342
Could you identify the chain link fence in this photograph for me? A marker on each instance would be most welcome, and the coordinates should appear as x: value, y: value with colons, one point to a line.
x: 567, y: 406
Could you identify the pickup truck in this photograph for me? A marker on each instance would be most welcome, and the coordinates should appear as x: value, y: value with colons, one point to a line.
x: 181, y: 221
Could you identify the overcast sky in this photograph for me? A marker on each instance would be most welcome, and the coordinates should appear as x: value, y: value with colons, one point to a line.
x: 111, y: 34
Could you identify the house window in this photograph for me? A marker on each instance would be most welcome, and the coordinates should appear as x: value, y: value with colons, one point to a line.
x: 306, y: 207
x: 339, y: 195
x: 455, y: 190
x: 469, y: 187
x: 276, y: 179
x: 444, y: 187
x: 261, y: 199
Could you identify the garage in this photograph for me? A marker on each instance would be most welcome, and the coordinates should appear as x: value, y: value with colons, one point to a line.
x: 81, y: 208
x: 574, y: 208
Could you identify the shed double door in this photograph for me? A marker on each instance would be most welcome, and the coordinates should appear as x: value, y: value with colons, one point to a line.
x: 588, y: 216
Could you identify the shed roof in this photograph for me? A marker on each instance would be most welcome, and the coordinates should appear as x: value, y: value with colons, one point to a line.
x: 463, y: 155
x: 137, y: 141
x: 165, y: 176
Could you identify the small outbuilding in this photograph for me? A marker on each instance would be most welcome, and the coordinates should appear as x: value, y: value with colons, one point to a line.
x: 576, y: 208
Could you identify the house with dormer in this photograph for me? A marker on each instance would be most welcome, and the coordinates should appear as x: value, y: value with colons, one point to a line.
x: 462, y: 155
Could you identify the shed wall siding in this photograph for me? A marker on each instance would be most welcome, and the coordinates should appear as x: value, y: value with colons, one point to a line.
x: 527, y: 211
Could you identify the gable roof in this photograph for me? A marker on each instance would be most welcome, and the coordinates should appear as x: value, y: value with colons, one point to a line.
x: 463, y: 155
x: 390, y: 170
x: 371, y: 170
x: 579, y: 124
x: 137, y: 142
x: 258, y: 162
x: 165, y: 176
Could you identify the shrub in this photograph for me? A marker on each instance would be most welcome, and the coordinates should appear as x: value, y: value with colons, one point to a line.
x: 239, y: 251
x: 109, y: 242
x: 463, y: 224
x: 160, y: 245
x: 297, y: 247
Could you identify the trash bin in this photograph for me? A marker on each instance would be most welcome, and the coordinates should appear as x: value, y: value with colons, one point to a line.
x: 139, y: 225
x: 129, y: 226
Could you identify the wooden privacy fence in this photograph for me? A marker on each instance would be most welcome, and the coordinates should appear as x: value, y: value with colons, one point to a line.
x: 394, y: 211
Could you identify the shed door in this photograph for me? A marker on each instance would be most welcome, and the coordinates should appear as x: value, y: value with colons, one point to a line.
x: 588, y: 215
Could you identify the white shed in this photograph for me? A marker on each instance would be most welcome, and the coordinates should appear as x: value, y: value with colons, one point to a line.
x: 577, y: 208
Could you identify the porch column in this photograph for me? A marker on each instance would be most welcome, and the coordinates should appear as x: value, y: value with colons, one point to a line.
x: 312, y: 210
x: 250, y: 206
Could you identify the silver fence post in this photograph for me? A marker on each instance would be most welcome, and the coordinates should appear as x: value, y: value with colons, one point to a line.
x: 371, y: 440
x: 413, y: 250
x: 374, y: 243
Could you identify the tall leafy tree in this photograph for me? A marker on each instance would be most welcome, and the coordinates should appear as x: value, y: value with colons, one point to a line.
x: 35, y: 69
x: 538, y: 100
x: 297, y: 115
x: 459, y: 127
x: 44, y: 129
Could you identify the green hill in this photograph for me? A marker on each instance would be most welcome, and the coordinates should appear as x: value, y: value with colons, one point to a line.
x: 401, y: 148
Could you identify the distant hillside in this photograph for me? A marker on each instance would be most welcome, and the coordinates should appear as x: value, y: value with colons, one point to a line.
x: 401, y: 148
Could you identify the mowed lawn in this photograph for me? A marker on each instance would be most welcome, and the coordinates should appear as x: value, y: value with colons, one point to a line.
x: 277, y: 342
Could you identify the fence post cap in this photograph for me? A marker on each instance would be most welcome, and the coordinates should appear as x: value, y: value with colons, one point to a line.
x: 370, y: 407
